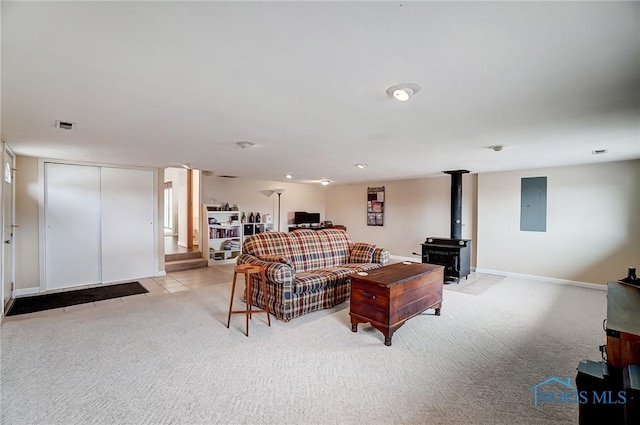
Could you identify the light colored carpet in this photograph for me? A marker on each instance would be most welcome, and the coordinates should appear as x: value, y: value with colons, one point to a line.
x: 171, y: 360
x: 474, y: 283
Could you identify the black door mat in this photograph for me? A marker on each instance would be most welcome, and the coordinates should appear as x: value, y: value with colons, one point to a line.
x: 81, y: 296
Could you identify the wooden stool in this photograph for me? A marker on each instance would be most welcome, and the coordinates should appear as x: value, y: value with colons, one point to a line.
x: 248, y: 270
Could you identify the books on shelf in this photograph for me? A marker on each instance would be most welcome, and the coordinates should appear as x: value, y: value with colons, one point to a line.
x: 230, y: 245
x: 220, y: 232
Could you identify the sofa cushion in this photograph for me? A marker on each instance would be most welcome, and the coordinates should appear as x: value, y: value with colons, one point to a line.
x: 361, y: 252
x: 316, y: 279
x: 305, y: 249
x: 361, y: 267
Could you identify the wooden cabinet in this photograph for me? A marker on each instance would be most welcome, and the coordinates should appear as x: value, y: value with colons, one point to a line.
x: 623, y: 326
x: 389, y: 296
x: 222, y: 236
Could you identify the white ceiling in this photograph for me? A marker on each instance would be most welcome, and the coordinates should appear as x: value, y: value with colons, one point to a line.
x: 160, y: 83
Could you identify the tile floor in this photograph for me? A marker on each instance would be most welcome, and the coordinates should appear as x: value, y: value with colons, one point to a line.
x: 173, y: 282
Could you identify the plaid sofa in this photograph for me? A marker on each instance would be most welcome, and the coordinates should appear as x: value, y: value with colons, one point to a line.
x: 307, y: 270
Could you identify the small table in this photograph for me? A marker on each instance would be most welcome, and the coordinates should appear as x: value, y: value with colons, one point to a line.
x: 389, y: 296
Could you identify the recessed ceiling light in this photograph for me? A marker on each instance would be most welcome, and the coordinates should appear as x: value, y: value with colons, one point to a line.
x: 288, y: 176
x: 325, y: 182
x: 496, y: 148
x: 599, y: 151
x: 404, y: 91
x: 245, y: 144
x: 361, y: 166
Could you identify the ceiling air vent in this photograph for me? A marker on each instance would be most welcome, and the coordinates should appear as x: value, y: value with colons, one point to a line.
x: 229, y: 177
x: 599, y: 151
x: 65, y: 125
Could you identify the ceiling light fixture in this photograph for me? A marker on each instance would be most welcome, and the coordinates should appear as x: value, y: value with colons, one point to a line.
x: 361, y: 166
x: 325, y: 182
x: 288, y: 176
x: 496, y: 148
x: 403, y: 92
x: 244, y: 144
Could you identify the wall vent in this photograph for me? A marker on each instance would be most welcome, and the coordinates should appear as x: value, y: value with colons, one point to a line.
x: 65, y: 125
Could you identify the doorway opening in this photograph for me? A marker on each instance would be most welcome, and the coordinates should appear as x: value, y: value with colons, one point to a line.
x: 181, y: 218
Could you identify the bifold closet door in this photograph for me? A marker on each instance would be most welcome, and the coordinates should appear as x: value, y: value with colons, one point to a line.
x: 72, y: 225
x: 127, y: 224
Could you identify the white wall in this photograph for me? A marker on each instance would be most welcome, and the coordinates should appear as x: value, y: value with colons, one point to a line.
x: 592, y: 223
x: 26, y: 236
x: 592, y: 217
x: 414, y: 209
x: 257, y: 196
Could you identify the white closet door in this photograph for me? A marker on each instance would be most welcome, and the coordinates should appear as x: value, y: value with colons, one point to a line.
x: 72, y: 225
x: 127, y: 224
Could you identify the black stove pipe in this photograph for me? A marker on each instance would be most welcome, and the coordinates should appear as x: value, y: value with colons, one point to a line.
x: 456, y: 202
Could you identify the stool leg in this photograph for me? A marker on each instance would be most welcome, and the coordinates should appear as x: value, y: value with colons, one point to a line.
x: 233, y: 290
x: 250, y: 294
x: 263, y: 277
x: 247, y: 281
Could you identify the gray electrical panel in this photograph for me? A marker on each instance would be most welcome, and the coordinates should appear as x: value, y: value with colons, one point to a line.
x: 533, y: 204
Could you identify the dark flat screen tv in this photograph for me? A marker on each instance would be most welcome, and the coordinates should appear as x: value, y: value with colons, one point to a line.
x: 303, y: 217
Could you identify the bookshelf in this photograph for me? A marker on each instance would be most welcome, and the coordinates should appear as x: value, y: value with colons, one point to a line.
x: 223, y: 238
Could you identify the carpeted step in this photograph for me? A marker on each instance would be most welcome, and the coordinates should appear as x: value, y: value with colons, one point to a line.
x: 191, y: 263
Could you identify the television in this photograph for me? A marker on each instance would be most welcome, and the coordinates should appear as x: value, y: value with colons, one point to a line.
x: 303, y: 217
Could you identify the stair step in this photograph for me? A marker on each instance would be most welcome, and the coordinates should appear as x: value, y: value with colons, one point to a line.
x: 182, y: 256
x: 191, y: 263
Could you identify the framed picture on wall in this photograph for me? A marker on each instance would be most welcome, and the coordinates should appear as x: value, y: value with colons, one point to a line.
x: 375, y: 206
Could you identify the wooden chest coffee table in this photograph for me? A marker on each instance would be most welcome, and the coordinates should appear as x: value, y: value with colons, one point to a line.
x: 389, y: 296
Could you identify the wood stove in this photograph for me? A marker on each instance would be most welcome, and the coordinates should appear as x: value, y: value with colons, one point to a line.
x: 453, y: 253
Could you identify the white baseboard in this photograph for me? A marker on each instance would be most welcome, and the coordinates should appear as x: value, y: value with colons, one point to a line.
x: 26, y: 291
x: 588, y: 285
x: 415, y: 259
x: 160, y: 273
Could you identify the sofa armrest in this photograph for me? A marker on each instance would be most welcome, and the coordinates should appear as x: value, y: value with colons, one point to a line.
x: 276, y: 272
x: 276, y: 259
x: 381, y: 256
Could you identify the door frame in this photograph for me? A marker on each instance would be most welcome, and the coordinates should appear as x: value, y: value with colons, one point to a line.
x: 6, y: 149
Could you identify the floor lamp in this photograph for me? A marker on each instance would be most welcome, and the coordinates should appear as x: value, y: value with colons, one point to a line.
x: 279, y: 192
